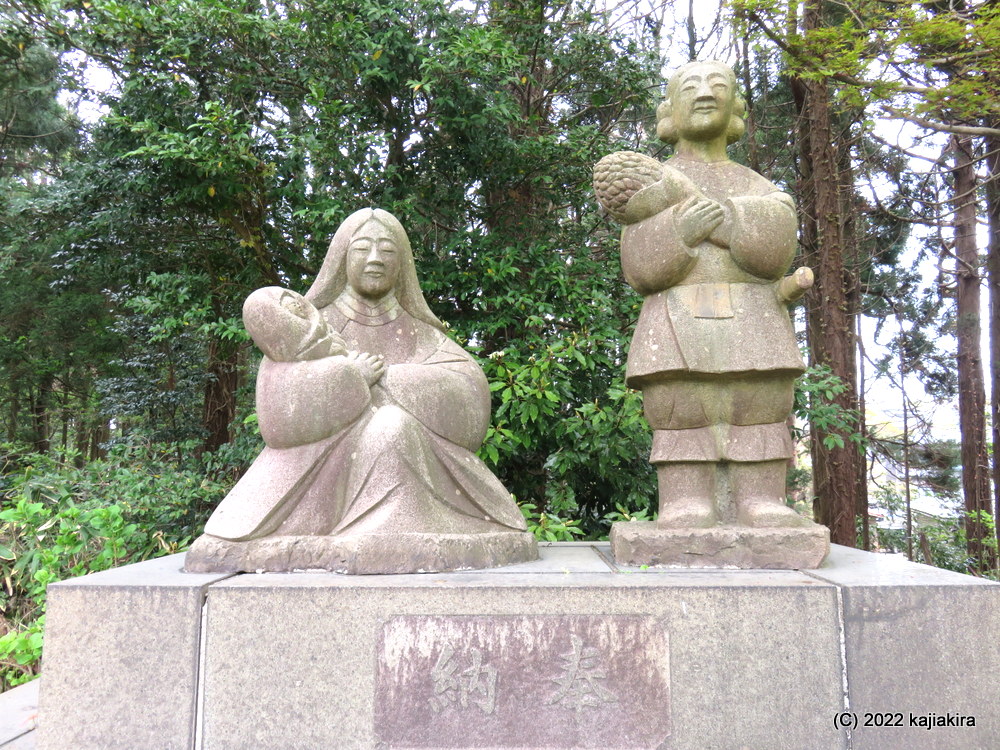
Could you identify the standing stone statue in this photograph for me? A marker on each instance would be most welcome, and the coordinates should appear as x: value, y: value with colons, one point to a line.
x: 370, y: 415
x: 707, y: 242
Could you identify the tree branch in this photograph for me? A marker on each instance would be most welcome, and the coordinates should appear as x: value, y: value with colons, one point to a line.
x: 941, y: 127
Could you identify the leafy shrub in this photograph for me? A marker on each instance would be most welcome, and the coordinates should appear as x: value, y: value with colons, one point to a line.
x: 60, y: 521
x: 548, y: 527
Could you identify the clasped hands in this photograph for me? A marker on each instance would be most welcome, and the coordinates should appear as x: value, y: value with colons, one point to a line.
x: 698, y: 218
x: 372, y: 365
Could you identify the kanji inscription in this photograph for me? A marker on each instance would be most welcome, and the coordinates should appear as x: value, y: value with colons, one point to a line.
x: 463, y: 683
x: 553, y: 681
x: 581, y: 684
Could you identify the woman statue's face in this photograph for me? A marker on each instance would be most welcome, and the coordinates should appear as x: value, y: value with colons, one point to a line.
x: 373, y: 261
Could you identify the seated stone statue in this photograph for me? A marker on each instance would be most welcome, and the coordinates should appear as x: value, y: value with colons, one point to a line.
x: 371, y: 417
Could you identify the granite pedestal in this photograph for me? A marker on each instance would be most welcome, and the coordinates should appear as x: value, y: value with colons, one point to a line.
x: 744, y: 547
x: 570, y: 651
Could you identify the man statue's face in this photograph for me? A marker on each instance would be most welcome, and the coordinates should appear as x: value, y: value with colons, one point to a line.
x: 703, y: 103
x: 373, y: 261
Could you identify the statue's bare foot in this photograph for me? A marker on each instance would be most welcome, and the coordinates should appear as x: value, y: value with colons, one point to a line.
x: 687, y: 514
x: 767, y: 514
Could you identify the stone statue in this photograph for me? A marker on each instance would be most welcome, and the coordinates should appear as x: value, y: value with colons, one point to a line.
x: 370, y: 415
x: 707, y: 242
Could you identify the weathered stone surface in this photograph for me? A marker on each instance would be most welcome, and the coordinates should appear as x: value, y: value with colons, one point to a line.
x: 581, y: 677
x: 921, y: 646
x: 371, y: 418
x: 726, y: 658
x: 18, y: 714
x: 646, y: 543
x: 708, y: 242
x: 561, y: 557
x: 121, y: 659
x: 363, y: 553
x: 316, y: 660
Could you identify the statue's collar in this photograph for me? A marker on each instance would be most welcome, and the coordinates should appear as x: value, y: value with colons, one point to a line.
x: 356, y: 308
x: 697, y: 161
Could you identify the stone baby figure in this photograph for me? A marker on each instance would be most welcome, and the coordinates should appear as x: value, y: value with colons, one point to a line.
x: 287, y: 327
x: 707, y: 242
x: 369, y: 463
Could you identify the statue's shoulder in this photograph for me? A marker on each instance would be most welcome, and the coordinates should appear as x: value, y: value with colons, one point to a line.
x: 449, y: 347
x: 756, y: 183
x: 433, y: 345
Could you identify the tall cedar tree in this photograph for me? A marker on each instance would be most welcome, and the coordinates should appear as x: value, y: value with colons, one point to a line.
x: 993, y: 285
x: 971, y: 390
x: 838, y: 466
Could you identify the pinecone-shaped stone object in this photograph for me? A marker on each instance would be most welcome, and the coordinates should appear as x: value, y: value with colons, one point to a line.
x: 619, y: 176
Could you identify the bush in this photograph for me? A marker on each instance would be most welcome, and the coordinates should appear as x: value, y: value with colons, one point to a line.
x: 60, y: 521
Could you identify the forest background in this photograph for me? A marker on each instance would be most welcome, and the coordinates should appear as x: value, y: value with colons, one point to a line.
x: 160, y: 160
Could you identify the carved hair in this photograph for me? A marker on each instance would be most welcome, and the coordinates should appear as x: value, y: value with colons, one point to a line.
x: 666, y: 130
x: 332, y: 277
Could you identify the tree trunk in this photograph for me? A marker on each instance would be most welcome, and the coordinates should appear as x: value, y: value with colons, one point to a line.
x: 81, y: 437
x: 852, y: 291
x: 40, y: 416
x: 13, y: 412
x: 750, y: 118
x: 220, y: 394
x: 971, y: 387
x: 993, y: 271
x: 838, y: 472
x: 100, y: 434
x: 864, y: 510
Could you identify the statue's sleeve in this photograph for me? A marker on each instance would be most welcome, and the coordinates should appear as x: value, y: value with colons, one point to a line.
x: 764, y: 234
x: 448, y: 393
x: 302, y: 402
x: 654, y: 257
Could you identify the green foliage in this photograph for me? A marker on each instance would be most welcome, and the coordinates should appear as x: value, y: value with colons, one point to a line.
x: 591, y: 457
x: 622, y: 513
x: 35, y: 127
x: 239, y: 139
x: 989, y: 542
x: 548, y: 527
x: 20, y: 652
x: 944, y: 538
x: 236, y: 140
x: 815, y: 402
x: 60, y: 521
x: 54, y: 323
x: 937, y: 60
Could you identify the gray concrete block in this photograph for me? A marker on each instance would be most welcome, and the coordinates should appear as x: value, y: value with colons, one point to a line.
x: 24, y: 742
x: 18, y: 712
x: 121, y: 658
x: 922, y: 646
x: 744, y: 660
x: 639, y: 543
x: 570, y: 651
x: 561, y: 557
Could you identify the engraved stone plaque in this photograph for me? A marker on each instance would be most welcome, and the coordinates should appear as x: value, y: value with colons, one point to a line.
x: 559, y: 681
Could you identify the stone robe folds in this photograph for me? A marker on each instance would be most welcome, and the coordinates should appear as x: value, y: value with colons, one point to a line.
x: 343, y: 459
x: 713, y: 310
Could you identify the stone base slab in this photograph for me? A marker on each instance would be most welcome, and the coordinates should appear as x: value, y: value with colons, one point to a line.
x: 362, y: 554
x: 18, y: 715
x: 743, y: 547
x: 572, y: 650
